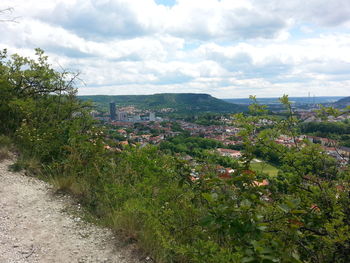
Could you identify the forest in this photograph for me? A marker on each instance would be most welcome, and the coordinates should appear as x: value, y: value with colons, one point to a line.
x: 300, y: 215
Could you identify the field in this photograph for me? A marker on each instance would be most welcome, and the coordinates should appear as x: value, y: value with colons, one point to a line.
x: 264, y: 167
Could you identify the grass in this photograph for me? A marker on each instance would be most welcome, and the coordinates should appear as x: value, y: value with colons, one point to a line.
x: 68, y: 184
x: 4, y: 153
x: 31, y: 165
x: 5, y: 141
x: 264, y: 168
x: 5, y: 147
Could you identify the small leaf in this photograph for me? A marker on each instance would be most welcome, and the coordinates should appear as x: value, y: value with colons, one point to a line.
x: 285, y: 208
x: 298, y: 212
x: 207, y: 197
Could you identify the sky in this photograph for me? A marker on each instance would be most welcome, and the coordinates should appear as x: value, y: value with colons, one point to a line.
x: 226, y: 48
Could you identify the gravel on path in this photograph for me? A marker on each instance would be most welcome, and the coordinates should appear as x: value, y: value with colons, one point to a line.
x: 36, y: 227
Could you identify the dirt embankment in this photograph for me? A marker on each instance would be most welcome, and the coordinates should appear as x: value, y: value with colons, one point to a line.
x: 36, y: 227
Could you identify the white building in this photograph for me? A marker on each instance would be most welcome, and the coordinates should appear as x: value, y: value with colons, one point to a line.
x: 122, y: 116
x: 152, y: 116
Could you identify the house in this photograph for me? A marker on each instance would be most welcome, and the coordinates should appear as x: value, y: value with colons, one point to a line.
x: 122, y: 131
x: 262, y: 183
x: 229, y: 142
x: 224, y: 173
x: 322, y: 141
x: 186, y: 158
x: 229, y: 153
x: 156, y: 139
x: 146, y: 136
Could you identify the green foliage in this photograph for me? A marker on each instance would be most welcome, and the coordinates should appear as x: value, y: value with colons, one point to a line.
x: 188, y: 145
x: 207, y: 119
x: 304, y: 195
x: 302, y: 215
x: 5, y: 141
x: 324, y: 112
x: 176, y: 127
x: 23, y: 80
x: 326, y: 127
x: 201, y: 149
x: 264, y: 167
x: 339, y: 131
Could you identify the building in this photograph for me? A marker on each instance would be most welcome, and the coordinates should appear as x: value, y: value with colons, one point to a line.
x: 152, y: 116
x: 229, y: 153
x: 112, y: 110
x: 323, y: 141
x: 136, y: 118
x: 122, y: 116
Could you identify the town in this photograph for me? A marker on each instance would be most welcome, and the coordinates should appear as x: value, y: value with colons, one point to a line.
x: 130, y: 126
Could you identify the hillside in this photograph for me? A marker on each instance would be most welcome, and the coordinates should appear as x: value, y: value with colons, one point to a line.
x: 342, y: 103
x: 39, y: 225
x: 180, y: 102
x: 294, y: 100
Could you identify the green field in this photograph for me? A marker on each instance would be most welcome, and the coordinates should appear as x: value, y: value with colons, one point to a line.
x: 264, y: 167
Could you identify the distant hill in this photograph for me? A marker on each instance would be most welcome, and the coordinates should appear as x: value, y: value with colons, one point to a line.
x: 342, y: 103
x: 294, y: 100
x: 180, y: 102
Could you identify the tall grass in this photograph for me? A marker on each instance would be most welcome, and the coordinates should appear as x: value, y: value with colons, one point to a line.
x: 4, y: 153
x: 5, y: 147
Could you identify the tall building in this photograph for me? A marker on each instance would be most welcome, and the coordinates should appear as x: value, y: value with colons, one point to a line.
x: 152, y: 116
x: 112, y: 110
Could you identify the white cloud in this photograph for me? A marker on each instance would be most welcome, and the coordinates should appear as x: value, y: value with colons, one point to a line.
x: 321, y: 12
x: 225, y: 48
x: 101, y: 19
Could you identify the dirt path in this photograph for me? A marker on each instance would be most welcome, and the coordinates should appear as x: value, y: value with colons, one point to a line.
x: 35, y: 227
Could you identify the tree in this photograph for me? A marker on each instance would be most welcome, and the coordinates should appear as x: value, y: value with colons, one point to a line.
x: 309, y: 198
x: 38, y: 106
x: 24, y: 81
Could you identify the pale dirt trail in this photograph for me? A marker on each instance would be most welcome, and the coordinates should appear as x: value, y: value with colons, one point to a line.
x: 35, y: 227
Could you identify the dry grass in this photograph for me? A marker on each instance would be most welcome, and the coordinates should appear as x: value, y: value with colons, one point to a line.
x: 5, y: 141
x: 5, y: 148
x: 33, y: 166
x: 5, y: 153
x: 67, y: 184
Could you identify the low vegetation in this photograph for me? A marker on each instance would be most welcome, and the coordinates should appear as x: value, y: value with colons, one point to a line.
x: 4, y: 153
x: 339, y: 131
x: 264, y: 167
x: 202, y: 149
x: 5, y: 147
x: 302, y: 215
